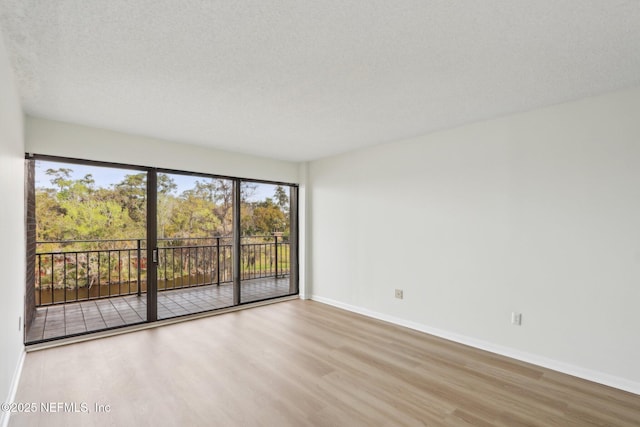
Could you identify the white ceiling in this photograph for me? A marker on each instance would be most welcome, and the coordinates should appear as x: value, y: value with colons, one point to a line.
x: 301, y: 79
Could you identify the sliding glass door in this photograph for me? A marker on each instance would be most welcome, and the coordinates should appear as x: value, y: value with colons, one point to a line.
x: 194, y: 244
x: 88, y: 251
x: 117, y: 245
x: 266, y: 256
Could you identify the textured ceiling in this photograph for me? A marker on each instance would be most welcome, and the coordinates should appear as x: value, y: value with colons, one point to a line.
x: 299, y: 80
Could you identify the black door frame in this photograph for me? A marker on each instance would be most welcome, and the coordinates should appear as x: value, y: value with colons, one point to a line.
x: 152, y: 223
x: 152, y: 245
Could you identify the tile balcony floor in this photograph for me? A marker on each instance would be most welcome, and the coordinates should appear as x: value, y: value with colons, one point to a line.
x: 89, y: 316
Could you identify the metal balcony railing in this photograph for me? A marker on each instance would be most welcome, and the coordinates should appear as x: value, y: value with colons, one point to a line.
x: 83, y: 270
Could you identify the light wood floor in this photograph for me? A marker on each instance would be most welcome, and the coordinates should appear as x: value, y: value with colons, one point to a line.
x: 300, y: 363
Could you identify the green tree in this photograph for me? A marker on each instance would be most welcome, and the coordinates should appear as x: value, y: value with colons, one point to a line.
x: 192, y: 216
x: 75, y: 210
x: 282, y: 198
x: 268, y: 218
x: 49, y: 216
x: 223, y: 197
x: 131, y: 194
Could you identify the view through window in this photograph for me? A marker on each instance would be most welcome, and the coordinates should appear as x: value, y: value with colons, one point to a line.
x: 92, y: 260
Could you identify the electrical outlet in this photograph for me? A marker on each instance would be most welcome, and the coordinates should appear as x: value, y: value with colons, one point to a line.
x: 399, y: 293
x: 516, y: 318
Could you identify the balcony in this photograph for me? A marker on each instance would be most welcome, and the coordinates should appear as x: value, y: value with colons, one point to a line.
x: 86, y: 286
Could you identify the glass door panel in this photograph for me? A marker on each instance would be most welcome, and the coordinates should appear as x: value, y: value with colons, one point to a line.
x: 266, y: 242
x: 194, y: 223
x: 90, y: 249
x: 212, y: 243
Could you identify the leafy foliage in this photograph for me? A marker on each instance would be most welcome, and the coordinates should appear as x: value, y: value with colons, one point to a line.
x: 74, y: 209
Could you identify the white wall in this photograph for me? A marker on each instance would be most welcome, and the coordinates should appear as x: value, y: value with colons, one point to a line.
x: 70, y: 140
x: 12, y: 228
x: 304, y: 228
x: 537, y: 213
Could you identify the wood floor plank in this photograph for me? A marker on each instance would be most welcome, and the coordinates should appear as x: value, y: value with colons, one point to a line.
x: 302, y: 363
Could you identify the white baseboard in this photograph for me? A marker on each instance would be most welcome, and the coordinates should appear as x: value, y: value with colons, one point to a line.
x: 555, y: 365
x: 4, y: 416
